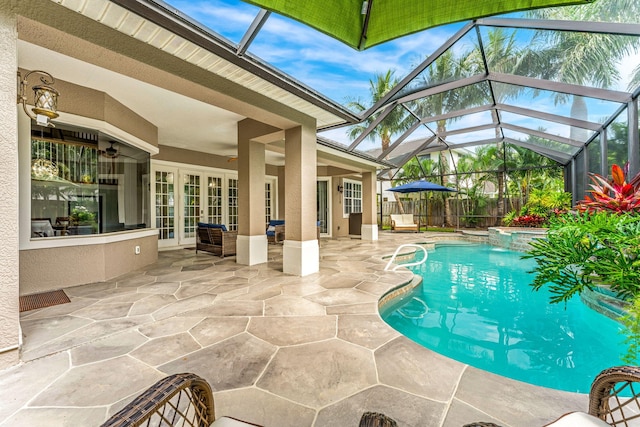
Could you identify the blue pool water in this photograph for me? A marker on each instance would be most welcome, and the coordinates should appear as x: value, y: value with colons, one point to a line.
x: 476, y: 306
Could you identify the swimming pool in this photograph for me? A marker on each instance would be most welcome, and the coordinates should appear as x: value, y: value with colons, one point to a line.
x: 475, y: 305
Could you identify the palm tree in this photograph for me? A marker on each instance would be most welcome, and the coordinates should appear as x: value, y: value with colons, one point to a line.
x: 583, y: 58
x: 394, y: 123
x: 447, y: 67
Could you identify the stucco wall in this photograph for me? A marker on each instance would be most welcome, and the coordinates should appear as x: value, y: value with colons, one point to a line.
x: 9, y: 309
x: 62, y: 267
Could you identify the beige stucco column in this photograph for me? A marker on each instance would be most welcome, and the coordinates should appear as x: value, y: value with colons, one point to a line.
x: 252, y: 241
x: 369, y: 228
x: 301, y: 254
x: 9, y: 250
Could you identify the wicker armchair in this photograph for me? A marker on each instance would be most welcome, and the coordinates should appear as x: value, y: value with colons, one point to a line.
x: 216, y: 240
x: 275, y: 231
x: 614, y: 398
x: 183, y: 400
x: 607, y: 399
x: 374, y: 419
x: 180, y: 399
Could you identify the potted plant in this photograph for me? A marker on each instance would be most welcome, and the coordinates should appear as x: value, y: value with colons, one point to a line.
x: 83, y: 220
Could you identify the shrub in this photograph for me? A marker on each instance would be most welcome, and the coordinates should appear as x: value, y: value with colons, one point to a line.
x: 541, y: 206
x: 616, y: 195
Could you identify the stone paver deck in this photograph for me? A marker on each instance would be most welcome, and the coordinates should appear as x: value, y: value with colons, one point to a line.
x: 278, y: 350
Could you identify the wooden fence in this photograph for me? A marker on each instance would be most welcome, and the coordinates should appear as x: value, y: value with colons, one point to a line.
x: 462, y: 213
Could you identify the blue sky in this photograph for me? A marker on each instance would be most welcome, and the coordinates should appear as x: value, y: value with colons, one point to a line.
x: 336, y: 70
x: 322, y: 63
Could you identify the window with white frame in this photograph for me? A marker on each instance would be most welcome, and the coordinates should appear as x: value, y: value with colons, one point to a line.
x: 214, y: 200
x: 352, y: 197
x: 267, y: 201
x: 232, y: 200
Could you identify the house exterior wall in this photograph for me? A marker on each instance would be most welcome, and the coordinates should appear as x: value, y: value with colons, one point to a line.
x: 9, y: 208
x: 64, y: 262
x: 63, y: 267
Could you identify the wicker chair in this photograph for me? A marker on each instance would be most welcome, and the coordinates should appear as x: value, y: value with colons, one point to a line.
x: 177, y: 400
x: 275, y: 231
x: 186, y: 400
x: 216, y: 240
x: 614, y: 398
x: 375, y: 419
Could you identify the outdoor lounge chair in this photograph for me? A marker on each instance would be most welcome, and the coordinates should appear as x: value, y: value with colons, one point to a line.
x: 403, y: 222
x: 275, y: 231
x: 187, y: 400
x: 614, y: 400
x: 177, y: 400
x: 215, y: 238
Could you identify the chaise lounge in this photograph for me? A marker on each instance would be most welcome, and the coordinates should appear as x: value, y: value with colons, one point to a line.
x: 215, y: 238
x: 403, y: 222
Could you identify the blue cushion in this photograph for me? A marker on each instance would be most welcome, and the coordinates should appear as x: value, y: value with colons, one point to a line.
x: 207, y: 225
x: 271, y: 229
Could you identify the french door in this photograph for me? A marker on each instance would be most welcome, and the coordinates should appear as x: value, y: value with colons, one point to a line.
x: 185, y: 196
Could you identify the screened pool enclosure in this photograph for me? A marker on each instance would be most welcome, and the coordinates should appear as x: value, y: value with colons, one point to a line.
x: 506, y: 104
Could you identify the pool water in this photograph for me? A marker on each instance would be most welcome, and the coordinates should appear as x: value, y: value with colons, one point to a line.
x: 475, y: 305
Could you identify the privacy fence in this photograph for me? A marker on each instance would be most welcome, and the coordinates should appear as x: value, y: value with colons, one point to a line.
x: 463, y: 213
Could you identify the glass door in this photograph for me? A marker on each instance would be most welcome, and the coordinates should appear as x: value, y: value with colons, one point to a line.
x: 192, y: 207
x: 165, y: 209
x: 323, y: 204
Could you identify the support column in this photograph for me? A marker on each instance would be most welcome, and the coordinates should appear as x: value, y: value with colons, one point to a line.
x: 9, y: 208
x: 604, y: 159
x: 301, y: 253
x: 634, y: 139
x: 252, y: 247
x: 369, y: 228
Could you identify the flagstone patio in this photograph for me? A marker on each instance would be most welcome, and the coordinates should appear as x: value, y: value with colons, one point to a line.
x: 278, y: 350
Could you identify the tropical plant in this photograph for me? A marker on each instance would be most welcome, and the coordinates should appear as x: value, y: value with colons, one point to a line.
x: 542, y: 205
x: 394, y: 123
x: 582, y: 58
x: 616, y: 195
x: 584, y: 249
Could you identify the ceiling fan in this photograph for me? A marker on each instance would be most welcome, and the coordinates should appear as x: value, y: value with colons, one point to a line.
x: 110, y: 151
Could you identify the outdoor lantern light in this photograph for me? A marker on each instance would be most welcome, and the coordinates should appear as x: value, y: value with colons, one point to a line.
x: 45, y: 98
x: 340, y: 188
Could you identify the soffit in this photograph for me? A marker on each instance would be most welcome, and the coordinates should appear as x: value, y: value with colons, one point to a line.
x: 139, y: 28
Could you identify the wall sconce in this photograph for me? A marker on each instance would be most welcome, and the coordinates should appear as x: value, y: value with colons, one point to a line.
x: 45, y: 98
x: 340, y: 188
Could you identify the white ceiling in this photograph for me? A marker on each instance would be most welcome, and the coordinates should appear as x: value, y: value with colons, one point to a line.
x: 182, y: 122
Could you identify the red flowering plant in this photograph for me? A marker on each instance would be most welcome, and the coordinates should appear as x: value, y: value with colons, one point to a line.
x: 531, y: 220
x: 613, y: 196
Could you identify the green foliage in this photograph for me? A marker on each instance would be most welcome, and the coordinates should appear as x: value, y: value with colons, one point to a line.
x: 542, y: 206
x: 615, y: 195
x: 584, y: 249
x: 632, y: 332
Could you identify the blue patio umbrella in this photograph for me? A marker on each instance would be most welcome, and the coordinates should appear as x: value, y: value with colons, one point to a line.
x: 419, y: 187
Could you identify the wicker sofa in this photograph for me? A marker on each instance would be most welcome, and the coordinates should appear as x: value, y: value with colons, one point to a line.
x: 215, y: 238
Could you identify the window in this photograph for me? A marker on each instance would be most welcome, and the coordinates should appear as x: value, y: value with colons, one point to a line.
x: 352, y: 197
x: 214, y: 194
x: 165, y: 205
x: 267, y: 201
x: 86, y: 182
x: 233, y: 204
